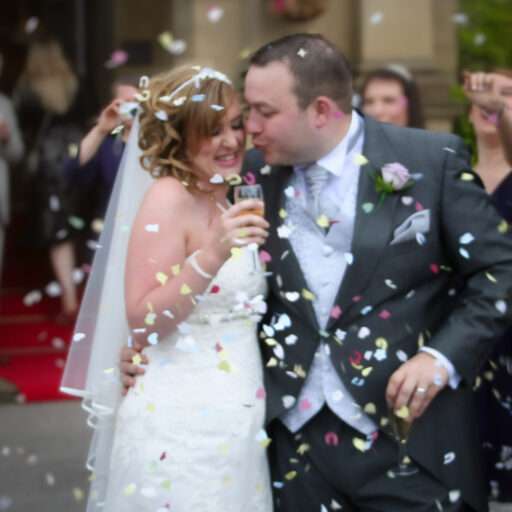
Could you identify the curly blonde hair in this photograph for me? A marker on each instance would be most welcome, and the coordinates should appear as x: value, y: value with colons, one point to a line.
x: 172, y: 130
x: 49, y: 75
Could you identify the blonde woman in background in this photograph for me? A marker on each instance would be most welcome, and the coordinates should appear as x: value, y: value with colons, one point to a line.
x: 51, y: 118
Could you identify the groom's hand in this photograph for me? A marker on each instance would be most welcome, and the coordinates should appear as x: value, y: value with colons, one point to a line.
x: 416, y: 383
x: 130, y: 370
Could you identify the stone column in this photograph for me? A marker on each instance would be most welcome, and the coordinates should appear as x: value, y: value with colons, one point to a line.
x: 421, y: 35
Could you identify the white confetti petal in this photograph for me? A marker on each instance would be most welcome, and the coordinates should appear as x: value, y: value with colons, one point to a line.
x: 376, y: 18
x: 363, y: 333
x: 32, y: 298
x: 454, y: 495
x: 53, y: 289
x: 291, y: 339
x: 288, y: 401
x: 501, y: 306
x: 449, y: 457
x: 466, y: 239
x: 152, y: 228
x: 153, y: 338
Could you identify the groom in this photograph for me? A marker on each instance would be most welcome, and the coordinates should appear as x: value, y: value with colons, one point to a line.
x: 388, y: 284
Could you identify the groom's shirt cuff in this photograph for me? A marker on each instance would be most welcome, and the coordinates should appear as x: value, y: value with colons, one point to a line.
x: 453, y: 376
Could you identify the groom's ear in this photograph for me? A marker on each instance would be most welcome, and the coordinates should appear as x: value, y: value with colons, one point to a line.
x: 322, y: 110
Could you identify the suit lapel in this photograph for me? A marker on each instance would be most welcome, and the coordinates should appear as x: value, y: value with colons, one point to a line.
x: 372, y: 231
x: 284, y: 260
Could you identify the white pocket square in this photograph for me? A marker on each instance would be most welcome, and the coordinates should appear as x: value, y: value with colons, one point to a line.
x: 418, y: 222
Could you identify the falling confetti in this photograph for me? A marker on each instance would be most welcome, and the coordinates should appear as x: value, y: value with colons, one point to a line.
x: 215, y: 13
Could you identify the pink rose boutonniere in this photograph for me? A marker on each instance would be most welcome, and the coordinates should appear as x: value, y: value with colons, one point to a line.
x: 393, y: 178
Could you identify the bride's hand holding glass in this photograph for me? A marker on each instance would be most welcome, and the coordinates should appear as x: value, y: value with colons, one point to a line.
x: 237, y: 226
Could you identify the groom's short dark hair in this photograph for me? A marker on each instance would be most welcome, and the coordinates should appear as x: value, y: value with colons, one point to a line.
x: 319, y: 68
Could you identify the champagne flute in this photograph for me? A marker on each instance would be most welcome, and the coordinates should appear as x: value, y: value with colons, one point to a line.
x: 241, y: 193
x: 401, y: 427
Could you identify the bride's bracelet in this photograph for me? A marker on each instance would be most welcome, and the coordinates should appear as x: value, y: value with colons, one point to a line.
x: 195, y: 265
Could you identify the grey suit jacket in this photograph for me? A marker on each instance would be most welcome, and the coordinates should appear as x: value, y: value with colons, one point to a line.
x: 401, y: 292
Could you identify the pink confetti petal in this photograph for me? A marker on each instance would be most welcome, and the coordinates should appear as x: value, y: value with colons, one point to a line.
x: 250, y: 178
x: 434, y: 268
x: 117, y: 58
x: 331, y: 439
x: 385, y: 314
x: 419, y: 206
x: 357, y: 298
x: 265, y: 257
x: 261, y: 393
x: 304, y: 404
x: 215, y: 288
x: 336, y: 312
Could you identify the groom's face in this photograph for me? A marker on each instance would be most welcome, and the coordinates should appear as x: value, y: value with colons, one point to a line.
x: 278, y: 126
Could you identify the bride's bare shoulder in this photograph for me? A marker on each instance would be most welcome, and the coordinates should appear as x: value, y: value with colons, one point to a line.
x: 169, y: 191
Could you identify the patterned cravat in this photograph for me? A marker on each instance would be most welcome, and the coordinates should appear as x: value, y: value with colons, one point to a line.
x: 316, y: 178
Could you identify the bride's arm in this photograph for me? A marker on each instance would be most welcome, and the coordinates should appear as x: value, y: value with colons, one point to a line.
x: 160, y: 283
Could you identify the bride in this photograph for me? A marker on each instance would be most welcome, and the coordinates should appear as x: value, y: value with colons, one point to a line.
x: 189, y: 436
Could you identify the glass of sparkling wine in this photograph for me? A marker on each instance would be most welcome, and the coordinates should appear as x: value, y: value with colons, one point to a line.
x: 401, y: 428
x: 243, y: 192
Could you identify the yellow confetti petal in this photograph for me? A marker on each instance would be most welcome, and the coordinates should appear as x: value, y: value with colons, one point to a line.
x: 381, y: 343
x: 306, y: 294
x: 161, y: 278
x: 403, y: 412
x: 136, y: 359
x: 503, y: 227
x: 323, y: 221
x: 272, y: 362
x: 370, y: 408
x: 299, y: 370
x: 150, y: 319
x: 78, y: 494
x: 129, y: 490
x: 236, y: 252
x: 151, y: 407
x: 360, y: 444
x: 466, y: 176
x: 290, y: 475
x: 421, y: 340
x: 491, y: 277
x: 264, y: 443
x: 176, y: 269
x: 282, y: 213
x: 224, y: 366
x: 303, y: 448
x: 185, y: 289
x: 271, y: 342
x: 244, y: 54
x: 166, y: 39
x: 166, y: 484
x: 360, y: 160
x: 367, y: 371
x: 108, y: 370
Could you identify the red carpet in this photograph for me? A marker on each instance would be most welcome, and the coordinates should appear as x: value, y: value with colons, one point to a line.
x: 32, y: 347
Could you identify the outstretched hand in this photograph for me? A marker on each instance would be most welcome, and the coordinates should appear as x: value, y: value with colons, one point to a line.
x: 415, y: 384
x: 479, y: 89
x: 129, y: 368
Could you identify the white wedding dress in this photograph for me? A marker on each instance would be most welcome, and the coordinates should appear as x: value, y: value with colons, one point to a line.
x: 189, y: 437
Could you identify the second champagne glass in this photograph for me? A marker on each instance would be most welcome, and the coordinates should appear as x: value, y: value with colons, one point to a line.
x: 401, y: 429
